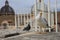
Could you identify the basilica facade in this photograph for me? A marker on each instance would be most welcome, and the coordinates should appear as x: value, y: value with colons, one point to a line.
x: 10, y: 20
x: 7, y: 14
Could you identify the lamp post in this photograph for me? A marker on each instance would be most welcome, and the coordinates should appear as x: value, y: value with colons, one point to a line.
x: 35, y: 15
x: 56, y: 15
x: 42, y: 7
x: 49, y: 13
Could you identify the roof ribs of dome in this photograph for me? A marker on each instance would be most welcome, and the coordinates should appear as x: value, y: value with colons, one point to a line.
x: 6, y: 9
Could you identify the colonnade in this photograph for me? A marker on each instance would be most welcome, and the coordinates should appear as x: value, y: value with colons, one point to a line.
x: 50, y: 15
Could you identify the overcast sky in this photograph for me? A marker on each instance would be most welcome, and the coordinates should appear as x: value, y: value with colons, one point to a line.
x: 21, y: 6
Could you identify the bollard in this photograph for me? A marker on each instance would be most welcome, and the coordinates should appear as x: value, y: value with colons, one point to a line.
x: 43, y: 29
x: 49, y: 29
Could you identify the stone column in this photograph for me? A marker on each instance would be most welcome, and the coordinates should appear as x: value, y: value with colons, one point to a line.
x: 21, y: 19
x: 24, y: 20
x: 31, y: 19
x: 18, y: 21
x: 27, y: 18
x: 15, y: 21
x: 52, y: 19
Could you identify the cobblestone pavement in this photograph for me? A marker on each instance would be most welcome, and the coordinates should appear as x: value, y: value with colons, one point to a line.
x: 48, y: 36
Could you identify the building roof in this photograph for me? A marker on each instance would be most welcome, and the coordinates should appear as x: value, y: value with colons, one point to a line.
x: 6, y: 9
x: 39, y: 7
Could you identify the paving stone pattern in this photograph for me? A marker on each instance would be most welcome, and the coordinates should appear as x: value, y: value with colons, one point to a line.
x: 48, y: 36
